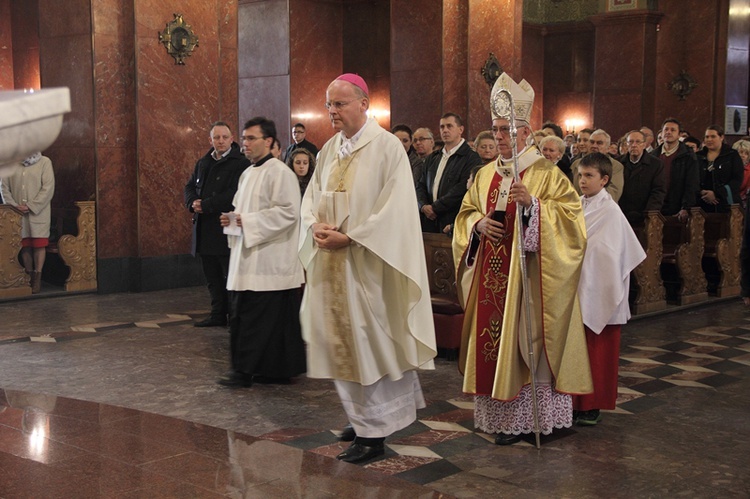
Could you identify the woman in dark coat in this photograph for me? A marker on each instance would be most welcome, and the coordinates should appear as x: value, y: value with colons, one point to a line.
x: 721, y: 172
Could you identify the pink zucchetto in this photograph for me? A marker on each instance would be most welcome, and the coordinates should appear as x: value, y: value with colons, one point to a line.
x: 355, y: 80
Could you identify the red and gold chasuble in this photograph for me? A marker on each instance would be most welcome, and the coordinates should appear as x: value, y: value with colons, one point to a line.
x: 492, y: 273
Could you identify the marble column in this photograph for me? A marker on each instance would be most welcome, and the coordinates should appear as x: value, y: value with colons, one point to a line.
x: 6, y: 47
x: 625, y: 77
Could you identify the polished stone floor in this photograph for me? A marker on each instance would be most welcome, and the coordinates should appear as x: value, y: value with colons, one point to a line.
x: 115, y: 396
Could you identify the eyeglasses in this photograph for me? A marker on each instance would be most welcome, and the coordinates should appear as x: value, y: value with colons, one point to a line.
x: 422, y: 139
x: 250, y: 138
x: 597, y: 142
x: 503, y: 129
x: 631, y: 142
x: 338, y: 104
x: 297, y: 132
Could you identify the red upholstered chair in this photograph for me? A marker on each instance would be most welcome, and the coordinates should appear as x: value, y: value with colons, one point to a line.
x: 446, y: 311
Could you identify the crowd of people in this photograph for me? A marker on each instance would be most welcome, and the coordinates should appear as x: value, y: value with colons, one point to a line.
x: 543, y: 247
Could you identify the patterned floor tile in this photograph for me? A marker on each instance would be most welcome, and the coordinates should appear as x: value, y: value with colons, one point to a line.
x: 743, y: 359
x: 453, y: 416
x: 429, y: 438
x: 687, y: 383
x: 650, y: 349
x: 650, y: 387
x: 463, y: 403
x: 689, y: 375
x: 400, y: 464
x: 430, y: 472
x: 641, y: 360
x: 286, y: 434
x: 718, y: 380
x: 661, y: 371
x: 413, y: 451
x: 444, y: 426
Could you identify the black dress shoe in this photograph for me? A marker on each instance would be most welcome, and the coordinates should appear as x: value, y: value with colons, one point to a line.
x: 211, y: 322
x: 357, y: 453
x: 236, y: 380
x: 505, y: 439
x: 348, y: 434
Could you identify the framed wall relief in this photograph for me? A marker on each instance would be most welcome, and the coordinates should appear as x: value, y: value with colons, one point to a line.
x: 615, y: 5
x: 178, y: 38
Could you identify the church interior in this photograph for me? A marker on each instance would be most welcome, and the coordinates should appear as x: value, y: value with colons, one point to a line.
x: 107, y: 390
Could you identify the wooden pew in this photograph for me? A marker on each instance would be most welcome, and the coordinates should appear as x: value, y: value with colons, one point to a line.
x: 447, y: 313
x: 649, y: 288
x: 14, y: 281
x: 721, y: 258
x: 682, y: 252
x: 79, y: 252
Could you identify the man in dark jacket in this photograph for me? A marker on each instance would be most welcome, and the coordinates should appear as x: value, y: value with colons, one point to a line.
x: 644, y: 187
x: 680, y: 171
x: 443, y: 183
x: 208, y: 193
x: 299, y: 141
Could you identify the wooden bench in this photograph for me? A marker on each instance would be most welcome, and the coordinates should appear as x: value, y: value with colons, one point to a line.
x: 14, y: 281
x: 682, y: 251
x: 721, y: 257
x: 447, y: 313
x: 648, y: 293
x: 73, y: 239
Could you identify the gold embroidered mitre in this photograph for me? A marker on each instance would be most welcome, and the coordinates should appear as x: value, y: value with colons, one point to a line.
x: 522, y: 95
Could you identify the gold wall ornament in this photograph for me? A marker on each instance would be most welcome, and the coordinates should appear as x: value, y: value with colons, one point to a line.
x: 178, y: 38
x: 682, y: 84
x: 491, y: 70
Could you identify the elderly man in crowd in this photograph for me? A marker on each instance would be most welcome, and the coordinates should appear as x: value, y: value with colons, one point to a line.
x: 599, y: 141
x: 495, y: 359
x: 644, y: 187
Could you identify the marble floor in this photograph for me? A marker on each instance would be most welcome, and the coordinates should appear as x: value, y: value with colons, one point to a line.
x: 115, y: 396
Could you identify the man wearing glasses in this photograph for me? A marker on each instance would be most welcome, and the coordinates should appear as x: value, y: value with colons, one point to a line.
x: 264, y: 272
x: 299, y: 141
x: 495, y: 359
x: 366, y: 314
x: 645, y: 186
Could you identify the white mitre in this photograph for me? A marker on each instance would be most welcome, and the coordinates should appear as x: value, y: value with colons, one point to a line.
x: 522, y: 96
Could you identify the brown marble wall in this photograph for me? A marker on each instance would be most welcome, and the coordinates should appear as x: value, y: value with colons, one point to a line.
x: 6, y: 47
x: 175, y: 106
x: 25, y: 21
x: 494, y: 27
x: 367, y: 52
x: 316, y: 59
x: 263, y: 59
x: 116, y: 128
x: 455, y: 57
x: 625, y: 101
x: 532, y: 68
x: 689, y: 40
x: 568, y: 73
x: 416, y: 55
x: 65, y: 47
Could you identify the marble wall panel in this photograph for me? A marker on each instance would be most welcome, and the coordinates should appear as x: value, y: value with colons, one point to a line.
x: 495, y: 27
x: 229, y: 88
x: 25, y: 22
x: 532, y: 68
x: 680, y: 49
x: 66, y: 62
x: 316, y: 58
x: 455, y: 92
x: 416, y: 41
x: 161, y: 195
x: 72, y: 17
x: 266, y: 96
x: 114, y: 81
x: 175, y: 107
x: 6, y: 47
x: 561, y: 106
x: 117, y: 202
x: 263, y: 39
x: 738, y: 54
x: 415, y: 98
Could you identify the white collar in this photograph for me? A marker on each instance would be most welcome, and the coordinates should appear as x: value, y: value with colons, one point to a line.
x: 453, y: 151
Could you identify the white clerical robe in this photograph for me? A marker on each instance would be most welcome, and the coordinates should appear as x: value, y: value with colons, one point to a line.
x: 366, y: 312
x: 264, y: 257
x: 612, y: 252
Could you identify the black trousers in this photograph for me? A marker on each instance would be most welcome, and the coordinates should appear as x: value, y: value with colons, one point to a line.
x: 216, y: 269
x: 265, y: 335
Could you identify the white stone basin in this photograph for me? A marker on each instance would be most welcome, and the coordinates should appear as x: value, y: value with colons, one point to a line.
x: 30, y: 121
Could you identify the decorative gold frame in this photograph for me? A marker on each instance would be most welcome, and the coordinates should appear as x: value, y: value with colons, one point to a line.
x: 178, y: 38
x: 682, y: 85
x: 491, y: 70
